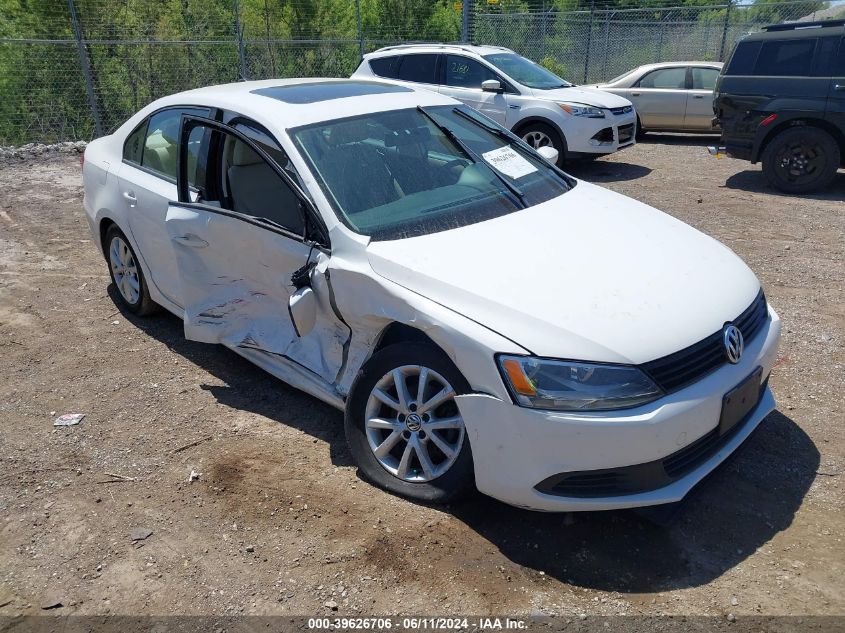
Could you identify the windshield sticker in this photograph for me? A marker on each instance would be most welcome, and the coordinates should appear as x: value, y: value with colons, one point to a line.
x: 507, y: 161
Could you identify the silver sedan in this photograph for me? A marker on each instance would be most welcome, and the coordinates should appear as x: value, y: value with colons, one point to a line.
x: 670, y: 96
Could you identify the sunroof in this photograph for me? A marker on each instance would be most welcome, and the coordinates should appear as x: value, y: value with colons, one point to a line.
x: 317, y: 91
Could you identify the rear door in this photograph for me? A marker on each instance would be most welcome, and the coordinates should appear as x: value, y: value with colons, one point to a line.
x: 147, y: 179
x: 699, y: 112
x: 660, y: 98
x: 462, y: 78
x: 238, y: 242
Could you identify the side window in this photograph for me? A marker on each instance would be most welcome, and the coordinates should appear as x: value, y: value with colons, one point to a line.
x: 384, y: 66
x: 666, y: 78
x: 418, y: 68
x: 240, y: 180
x: 134, y: 145
x: 704, y: 78
x: 463, y: 72
x: 839, y: 65
x: 744, y: 58
x: 784, y: 58
x: 825, y: 60
x: 161, y: 149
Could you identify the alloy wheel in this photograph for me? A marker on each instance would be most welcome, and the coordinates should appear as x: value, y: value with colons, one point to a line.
x: 124, y: 270
x: 537, y: 139
x: 799, y: 160
x: 412, y: 422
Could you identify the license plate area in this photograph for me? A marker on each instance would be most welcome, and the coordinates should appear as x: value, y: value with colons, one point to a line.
x: 739, y: 401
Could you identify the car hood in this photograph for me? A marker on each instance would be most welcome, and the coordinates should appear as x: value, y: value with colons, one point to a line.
x: 582, y: 94
x: 590, y: 275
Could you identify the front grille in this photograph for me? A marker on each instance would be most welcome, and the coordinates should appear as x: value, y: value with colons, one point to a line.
x: 626, y: 132
x: 614, y: 482
x: 622, y: 110
x: 696, y: 361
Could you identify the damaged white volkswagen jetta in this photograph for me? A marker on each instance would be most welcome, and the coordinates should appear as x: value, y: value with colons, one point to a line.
x: 481, y: 317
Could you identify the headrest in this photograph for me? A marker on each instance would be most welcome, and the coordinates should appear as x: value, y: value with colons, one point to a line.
x: 348, y: 132
x: 413, y: 136
x: 170, y: 130
x: 243, y: 155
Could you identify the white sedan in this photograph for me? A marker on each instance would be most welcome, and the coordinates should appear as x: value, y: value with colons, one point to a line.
x: 482, y: 318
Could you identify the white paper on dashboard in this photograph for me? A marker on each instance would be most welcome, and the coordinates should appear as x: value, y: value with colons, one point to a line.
x: 507, y: 161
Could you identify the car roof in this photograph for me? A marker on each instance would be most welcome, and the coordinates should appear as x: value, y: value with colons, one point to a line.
x: 676, y: 64
x: 435, y: 47
x: 290, y: 103
x: 798, y: 30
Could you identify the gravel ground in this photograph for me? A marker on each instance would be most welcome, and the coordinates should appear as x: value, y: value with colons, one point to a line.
x: 279, y: 523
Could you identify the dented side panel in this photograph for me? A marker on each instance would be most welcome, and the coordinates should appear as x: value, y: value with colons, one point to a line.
x: 235, y: 279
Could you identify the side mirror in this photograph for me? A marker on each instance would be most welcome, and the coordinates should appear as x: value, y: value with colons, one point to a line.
x: 491, y: 85
x: 549, y: 153
x: 303, y: 310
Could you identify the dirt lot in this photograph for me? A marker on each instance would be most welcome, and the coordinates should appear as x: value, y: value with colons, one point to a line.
x: 279, y: 523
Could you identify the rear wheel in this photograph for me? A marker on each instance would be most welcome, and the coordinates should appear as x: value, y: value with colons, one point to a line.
x: 801, y: 160
x: 403, y: 426
x: 126, y: 274
x: 539, y: 135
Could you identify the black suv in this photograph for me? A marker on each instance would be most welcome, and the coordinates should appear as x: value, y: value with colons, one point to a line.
x: 780, y: 100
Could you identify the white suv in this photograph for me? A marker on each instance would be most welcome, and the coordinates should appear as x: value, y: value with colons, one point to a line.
x: 522, y: 96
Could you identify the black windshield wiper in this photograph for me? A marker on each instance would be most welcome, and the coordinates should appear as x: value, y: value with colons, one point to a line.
x: 472, y: 155
x: 515, y: 141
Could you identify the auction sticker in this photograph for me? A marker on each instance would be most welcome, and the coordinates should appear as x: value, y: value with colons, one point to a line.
x: 507, y: 161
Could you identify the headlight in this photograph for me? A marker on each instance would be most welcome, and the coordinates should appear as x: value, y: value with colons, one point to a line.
x: 576, y: 109
x: 572, y: 386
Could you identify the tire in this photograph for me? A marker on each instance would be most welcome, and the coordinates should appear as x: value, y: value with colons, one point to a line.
x: 641, y: 132
x: 800, y: 160
x: 542, y: 134
x: 400, y: 468
x: 126, y: 274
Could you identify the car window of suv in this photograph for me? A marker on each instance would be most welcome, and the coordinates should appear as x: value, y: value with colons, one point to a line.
x: 385, y: 66
x: 785, y: 58
x: 704, y: 78
x: 159, y: 149
x: 418, y: 68
x: 463, y: 72
x: 825, y: 59
x: 666, y: 78
x: 744, y: 58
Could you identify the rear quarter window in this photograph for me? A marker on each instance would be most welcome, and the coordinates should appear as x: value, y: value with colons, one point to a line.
x: 785, y: 58
x: 384, y: 66
x: 744, y: 58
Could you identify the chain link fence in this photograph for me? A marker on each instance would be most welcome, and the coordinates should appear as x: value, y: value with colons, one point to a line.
x: 75, y: 69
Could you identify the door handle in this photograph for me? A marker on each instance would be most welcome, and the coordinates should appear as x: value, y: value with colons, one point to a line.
x: 635, y: 94
x: 130, y: 197
x: 190, y: 240
x: 839, y: 87
x: 698, y: 96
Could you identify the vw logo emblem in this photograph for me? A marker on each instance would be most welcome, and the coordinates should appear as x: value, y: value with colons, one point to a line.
x: 732, y: 340
x: 413, y: 422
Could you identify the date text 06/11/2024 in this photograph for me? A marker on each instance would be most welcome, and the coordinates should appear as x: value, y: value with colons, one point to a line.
x: 417, y: 623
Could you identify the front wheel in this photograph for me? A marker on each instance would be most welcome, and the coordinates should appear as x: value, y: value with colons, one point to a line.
x: 801, y: 160
x: 539, y: 135
x: 403, y: 426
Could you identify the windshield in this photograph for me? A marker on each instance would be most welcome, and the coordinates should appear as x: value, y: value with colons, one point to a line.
x: 403, y: 173
x: 526, y: 72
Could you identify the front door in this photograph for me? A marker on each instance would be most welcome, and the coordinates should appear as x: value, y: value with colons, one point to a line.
x: 147, y: 179
x: 660, y: 98
x: 462, y: 77
x: 237, y: 247
x: 836, y: 95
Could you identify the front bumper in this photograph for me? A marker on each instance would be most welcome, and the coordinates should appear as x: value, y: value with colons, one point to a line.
x: 516, y: 449
x: 600, y: 136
